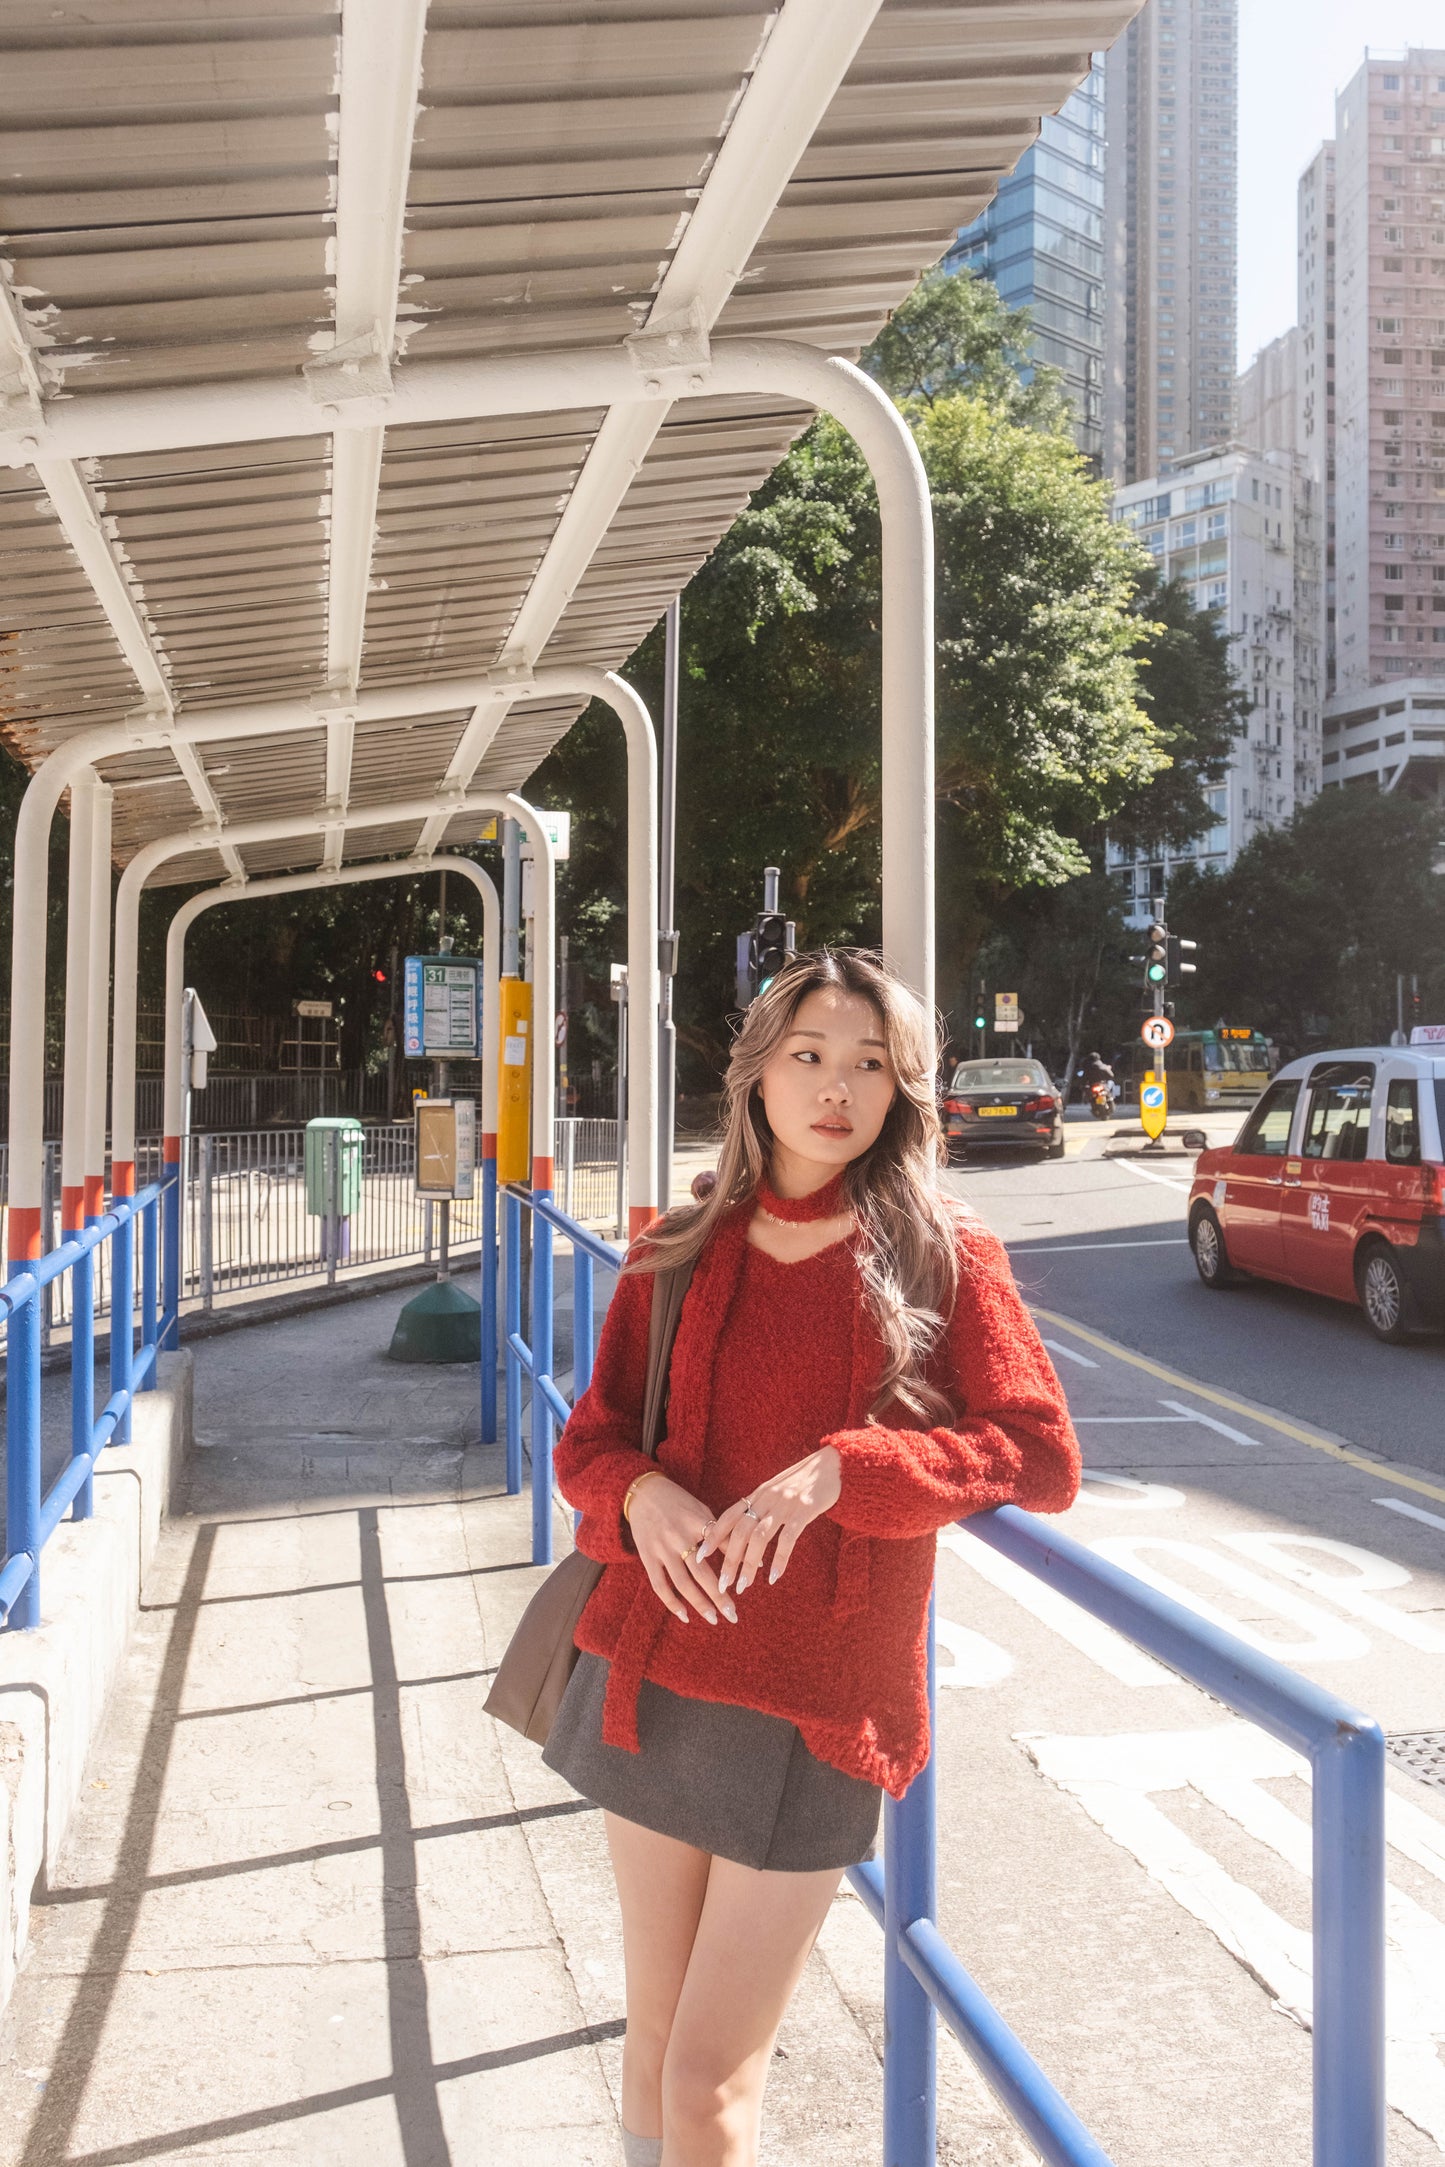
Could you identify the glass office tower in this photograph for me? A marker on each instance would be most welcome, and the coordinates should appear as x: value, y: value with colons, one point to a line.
x: 1041, y: 243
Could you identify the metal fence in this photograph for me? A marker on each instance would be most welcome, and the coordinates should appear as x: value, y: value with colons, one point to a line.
x: 1345, y: 1751
x: 247, y: 1225
x: 31, y: 1517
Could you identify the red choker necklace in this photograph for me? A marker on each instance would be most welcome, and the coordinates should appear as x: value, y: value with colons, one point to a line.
x: 824, y: 1203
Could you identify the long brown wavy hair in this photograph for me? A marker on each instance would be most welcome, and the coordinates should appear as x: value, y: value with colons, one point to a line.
x: 907, y: 1222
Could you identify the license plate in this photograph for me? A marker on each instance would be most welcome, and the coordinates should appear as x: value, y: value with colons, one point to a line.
x: 996, y: 1111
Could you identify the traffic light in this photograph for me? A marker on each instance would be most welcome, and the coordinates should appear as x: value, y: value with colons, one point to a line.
x: 980, y: 1018
x: 771, y: 947
x: 762, y: 954
x: 380, y: 976
x: 1156, y: 956
x: 1178, y: 949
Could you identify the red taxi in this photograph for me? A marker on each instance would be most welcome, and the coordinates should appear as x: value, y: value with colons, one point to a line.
x: 1336, y: 1184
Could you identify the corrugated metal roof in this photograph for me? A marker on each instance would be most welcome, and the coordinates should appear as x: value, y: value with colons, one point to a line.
x: 168, y: 206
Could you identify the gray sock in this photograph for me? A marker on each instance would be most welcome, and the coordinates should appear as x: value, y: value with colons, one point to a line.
x: 641, y: 2151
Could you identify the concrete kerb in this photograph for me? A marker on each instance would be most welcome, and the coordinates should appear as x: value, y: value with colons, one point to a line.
x: 56, y: 1682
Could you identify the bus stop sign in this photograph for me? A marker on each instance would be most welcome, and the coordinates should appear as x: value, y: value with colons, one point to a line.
x: 441, y: 1008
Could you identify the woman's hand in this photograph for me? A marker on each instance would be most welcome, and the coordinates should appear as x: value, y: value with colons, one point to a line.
x: 782, y: 1507
x: 667, y: 1525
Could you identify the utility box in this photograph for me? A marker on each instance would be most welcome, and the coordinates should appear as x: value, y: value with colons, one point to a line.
x: 333, y: 1170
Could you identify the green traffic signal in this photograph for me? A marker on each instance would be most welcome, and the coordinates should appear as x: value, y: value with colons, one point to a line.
x: 980, y: 1021
x: 1156, y: 955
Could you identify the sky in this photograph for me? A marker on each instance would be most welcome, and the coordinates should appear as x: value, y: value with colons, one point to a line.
x: 1293, y: 56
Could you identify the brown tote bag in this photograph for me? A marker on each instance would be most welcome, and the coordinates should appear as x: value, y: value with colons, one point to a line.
x: 532, y: 1675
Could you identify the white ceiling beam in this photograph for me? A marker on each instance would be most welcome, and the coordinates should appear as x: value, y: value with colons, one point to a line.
x: 22, y: 392
x: 381, y: 66
x: 809, y: 49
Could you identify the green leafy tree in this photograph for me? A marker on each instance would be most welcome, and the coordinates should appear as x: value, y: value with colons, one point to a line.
x: 955, y: 334
x: 1198, y: 707
x: 1302, y: 937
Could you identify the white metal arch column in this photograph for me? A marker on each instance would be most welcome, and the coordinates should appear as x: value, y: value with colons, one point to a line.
x: 122, y: 1122
x: 144, y: 863
x: 741, y: 367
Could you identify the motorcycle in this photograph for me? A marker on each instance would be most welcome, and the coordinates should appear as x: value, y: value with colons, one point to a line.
x: 1101, y: 1099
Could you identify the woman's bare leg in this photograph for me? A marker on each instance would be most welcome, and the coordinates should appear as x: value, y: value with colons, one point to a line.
x: 661, y: 1884
x: 751, y: 1943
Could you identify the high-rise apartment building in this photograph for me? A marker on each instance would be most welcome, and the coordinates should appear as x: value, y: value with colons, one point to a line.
x: 1270, y: 401
x: 1232, y: 526
x: 1171, y: 122
x: 1389, y: 434
x: 1267, y: 396
x: 1315, y: 373
x: 1041, y: 243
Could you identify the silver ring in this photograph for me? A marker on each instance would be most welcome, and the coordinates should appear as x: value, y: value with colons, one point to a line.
x: 748, y: 1511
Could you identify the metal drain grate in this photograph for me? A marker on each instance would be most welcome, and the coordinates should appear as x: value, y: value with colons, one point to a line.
x: 1420, y: 1753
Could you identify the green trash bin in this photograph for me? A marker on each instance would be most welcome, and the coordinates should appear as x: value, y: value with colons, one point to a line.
x: 334, y: 1147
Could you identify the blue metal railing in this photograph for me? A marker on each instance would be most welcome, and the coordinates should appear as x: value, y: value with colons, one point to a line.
x: 31, y: 1517
x: 1346, y: 1752
x: 549, y: 1408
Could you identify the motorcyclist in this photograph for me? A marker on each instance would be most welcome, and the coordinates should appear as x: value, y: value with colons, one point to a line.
x: 1095, y: 1070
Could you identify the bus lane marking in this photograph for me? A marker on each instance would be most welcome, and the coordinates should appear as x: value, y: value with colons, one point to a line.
x: 1090, y: 1636
x: 1278, y: 1423
x: 1413, y: 1512
x: 1070, y: 1354
x: 1116, y: 1781
x: 1193, y: 1414
x: 1327, y: 1639
x: 1148, y: 1173
x: 1139, y: 1496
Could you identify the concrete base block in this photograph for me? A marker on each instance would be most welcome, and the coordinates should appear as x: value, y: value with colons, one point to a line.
x: 55, y: 1682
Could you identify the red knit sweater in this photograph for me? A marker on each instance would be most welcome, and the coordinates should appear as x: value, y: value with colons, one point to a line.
x: 771, y: 1360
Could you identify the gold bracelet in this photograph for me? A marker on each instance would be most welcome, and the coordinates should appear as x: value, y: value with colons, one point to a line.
x: 632, y: 1489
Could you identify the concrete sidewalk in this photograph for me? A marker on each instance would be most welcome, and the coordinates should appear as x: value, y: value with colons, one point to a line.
x: 316, y: 1907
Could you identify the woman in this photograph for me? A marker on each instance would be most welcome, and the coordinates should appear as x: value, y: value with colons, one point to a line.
x: 853, y: 1369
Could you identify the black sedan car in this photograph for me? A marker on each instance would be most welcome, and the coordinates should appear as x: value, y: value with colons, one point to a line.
x: 1002, y: 1102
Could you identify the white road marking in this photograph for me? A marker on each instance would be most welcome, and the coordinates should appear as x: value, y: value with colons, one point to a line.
x: 1211, y: 1422
x: 1140, y: 1496
x: 1147, y: 1173
x: 1076, y: 1249
x: 1099, y: 1642
x: 1056, y: 1346
x: 1397, y: 1504
x: 1354, y: 1589
x: 1084, y: 1421
x: 1228, y: 1764
x: 1329, y: 1639
x: 976, y: 1660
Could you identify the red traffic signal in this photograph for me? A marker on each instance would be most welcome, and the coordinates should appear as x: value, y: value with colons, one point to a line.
x: 380, y: 977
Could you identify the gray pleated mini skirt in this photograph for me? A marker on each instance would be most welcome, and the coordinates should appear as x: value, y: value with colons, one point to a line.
x: 727, y: 1780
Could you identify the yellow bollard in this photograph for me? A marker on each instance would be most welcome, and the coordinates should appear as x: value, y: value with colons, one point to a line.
x: 514, y: 1094
x: 1153, y: 1103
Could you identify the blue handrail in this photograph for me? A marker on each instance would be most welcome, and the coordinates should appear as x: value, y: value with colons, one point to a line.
x: 30, y: 1517
x: 922, y: 1975
x: 550, y: 1408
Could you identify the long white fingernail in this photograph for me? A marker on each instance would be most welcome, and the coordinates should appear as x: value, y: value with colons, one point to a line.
x: 772, y: 1576
x: 743, y: 1583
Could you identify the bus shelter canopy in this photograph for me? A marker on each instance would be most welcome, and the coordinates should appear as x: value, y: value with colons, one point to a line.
x: 207, y: 203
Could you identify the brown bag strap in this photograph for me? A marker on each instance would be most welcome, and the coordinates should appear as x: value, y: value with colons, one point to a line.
x: 667, y: 1297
